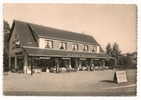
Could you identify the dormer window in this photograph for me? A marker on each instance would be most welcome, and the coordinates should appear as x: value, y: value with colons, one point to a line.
x: 94, y: 49
x: 49, y: 44
x: 86, y: 48
x: 63, y: 45
x: 75, y: 47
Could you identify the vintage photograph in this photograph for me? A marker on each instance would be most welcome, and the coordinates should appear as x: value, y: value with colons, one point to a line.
x: 69, y: 49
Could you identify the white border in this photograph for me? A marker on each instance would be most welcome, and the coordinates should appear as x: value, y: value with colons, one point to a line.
x: 137, y: 2
x: 74, y: 1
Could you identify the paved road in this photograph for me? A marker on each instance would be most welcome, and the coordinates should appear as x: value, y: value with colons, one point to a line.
x: 97, y: 83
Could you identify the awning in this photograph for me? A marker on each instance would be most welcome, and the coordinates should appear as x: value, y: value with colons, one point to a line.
x: 62, y: 53
x: 44, y: 58
x: 82, y: 58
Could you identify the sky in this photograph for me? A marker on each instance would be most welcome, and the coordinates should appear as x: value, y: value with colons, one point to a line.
x: 106, y: 23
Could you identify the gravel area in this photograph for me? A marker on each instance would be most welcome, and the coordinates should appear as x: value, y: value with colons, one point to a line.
x: 84, y: 83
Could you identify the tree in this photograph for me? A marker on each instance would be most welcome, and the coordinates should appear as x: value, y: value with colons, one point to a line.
x: 108, y: 49
x: 113, y: 51
x: 6, y: 48
x: 116, y: 51
x: 6, y: 27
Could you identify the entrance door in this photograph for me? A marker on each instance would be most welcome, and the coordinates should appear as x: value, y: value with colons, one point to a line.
x: 20, y: 63
x: 12, y: 67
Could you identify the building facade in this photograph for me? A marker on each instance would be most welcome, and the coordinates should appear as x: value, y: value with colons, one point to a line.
x: 36, y: 48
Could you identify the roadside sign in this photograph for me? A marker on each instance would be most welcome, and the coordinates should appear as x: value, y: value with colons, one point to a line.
x: 120, y: 77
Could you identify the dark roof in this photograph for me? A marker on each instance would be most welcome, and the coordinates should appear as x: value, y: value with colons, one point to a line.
x: 61, y: 53
x: 28, y: 29
x: 62, y: 34
x: 24, y: 34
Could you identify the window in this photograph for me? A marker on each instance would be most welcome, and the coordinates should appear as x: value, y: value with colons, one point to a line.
x: 94, y: 49
x: 63, y: 45
x: 86, y: 48
x: 17, y: 42
x: 75, y: 47
x: 49, y: 44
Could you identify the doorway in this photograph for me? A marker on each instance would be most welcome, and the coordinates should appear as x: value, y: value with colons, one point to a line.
x: 20, y: 63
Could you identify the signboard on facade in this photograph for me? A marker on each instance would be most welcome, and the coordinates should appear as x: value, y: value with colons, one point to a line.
x: 65, y: 58
x: 120, y: 77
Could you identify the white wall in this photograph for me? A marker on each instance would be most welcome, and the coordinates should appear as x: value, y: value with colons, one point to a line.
x: 56, y: 44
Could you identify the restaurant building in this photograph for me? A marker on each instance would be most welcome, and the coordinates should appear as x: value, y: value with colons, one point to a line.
x: 36, y: 48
